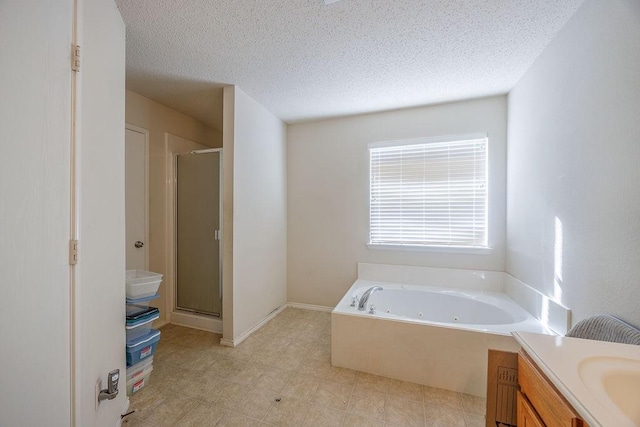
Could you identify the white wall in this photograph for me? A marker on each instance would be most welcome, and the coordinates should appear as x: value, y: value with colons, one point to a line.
x: 574, y: 151
x: 259, y: 213
x: 35, y: 112
x: 254, y: 214
x: 100, y: 286
x: 328, y: 186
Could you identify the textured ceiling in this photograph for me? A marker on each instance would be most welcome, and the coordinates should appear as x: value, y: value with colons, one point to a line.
x: 304, y: 59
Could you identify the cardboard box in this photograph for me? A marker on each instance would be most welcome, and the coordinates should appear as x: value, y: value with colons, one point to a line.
x: 502, y: 386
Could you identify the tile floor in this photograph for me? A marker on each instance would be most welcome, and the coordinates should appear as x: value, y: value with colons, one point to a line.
x: 282, y: 376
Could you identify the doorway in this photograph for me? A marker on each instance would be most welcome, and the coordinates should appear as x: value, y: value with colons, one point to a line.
x: 198, y: 272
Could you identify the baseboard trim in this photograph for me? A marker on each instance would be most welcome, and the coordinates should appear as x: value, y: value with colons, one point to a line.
x: 195, y: 321
x: 260, y: 324
x: 309, y: 306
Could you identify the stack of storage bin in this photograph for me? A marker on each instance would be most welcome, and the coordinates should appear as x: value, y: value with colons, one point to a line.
x: 142, y: 340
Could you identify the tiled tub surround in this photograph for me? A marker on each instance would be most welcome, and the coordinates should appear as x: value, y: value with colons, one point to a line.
x: 448, y: 354
x: 197, y: 382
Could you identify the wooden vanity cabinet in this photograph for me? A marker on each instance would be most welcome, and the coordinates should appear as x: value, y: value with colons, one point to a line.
x: 539, y: 403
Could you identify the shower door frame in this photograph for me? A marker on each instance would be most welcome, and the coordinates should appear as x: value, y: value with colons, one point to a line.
x: 174, y: 296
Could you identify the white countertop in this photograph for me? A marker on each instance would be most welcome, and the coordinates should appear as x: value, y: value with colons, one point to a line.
x: 575, y: 366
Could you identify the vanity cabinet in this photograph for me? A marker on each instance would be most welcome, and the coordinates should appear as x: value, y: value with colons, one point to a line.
x: 539, y: 403
x: 527, y: 416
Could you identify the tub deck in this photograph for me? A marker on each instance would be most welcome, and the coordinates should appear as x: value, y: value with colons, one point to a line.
x: 447, y: 356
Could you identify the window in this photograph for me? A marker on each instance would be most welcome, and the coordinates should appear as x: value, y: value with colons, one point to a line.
x: 429, y: 192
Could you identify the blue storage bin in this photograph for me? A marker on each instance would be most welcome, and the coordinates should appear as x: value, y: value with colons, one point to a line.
x: 142, y: 301
x: 142, y: 347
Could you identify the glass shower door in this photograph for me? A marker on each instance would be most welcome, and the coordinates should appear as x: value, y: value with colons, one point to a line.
x: 198, y: 272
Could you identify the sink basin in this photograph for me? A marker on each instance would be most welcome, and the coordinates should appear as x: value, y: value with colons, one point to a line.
x: 615, y: 382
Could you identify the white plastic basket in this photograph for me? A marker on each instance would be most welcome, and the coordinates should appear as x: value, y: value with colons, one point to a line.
x: 142, y: 283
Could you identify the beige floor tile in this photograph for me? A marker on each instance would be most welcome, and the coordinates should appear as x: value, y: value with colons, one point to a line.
x: 201, y: 382
x: 131, y: 421
x: 224, y: 367
x: 474, y: 420
x: 201, y: 386
x: 324, y: 338
x: 405, y: 390
x: 404, y: 412
x: 197, y: 362
x: 202, y: 415
x: 232, y: 419
x: 319, y: 352
x: 333, y: 395
x: 450, y: 398
x: 161, y: 370
x: 179, y: 380
x: 273, y: 379
x: 248, y: 373
x: 342, y: 375
x: 226, y: 395
x: 246, y: 349
x: 298, y: 349
x: 164, y: 353
x: 440, y: 415
x: 474, y: 404
x: 288, y: 411
x: 320, y: 369
x: 145, y: 400
x: 352, y: 420
x: 255, y: 403
x: 221, y: 351
x: 372, y: 382
x: 301, y: 386
x: 321, y: 416
x: 276, y: 359
x: 368, y: 404
x: 276, y: 342
x: 169, y: 411
x: 176, y: 357
x: 202, y: 340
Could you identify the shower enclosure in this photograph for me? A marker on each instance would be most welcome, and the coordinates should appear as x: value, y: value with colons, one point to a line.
x: 198, y: 190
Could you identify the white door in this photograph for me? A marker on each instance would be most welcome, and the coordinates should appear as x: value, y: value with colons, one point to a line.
x: 136, y: 197
x: 100, y: 272
x: 35, y: 123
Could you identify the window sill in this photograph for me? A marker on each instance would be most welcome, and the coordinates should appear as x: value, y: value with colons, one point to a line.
x: 437, y: 249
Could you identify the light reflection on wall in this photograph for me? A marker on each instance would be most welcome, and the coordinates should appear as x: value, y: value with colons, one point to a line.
x: 557, y: 261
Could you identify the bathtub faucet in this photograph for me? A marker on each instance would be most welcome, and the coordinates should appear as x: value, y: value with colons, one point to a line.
x: 365, y: 297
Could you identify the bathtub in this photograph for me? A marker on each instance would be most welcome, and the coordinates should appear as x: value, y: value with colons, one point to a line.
x: 436, y: 336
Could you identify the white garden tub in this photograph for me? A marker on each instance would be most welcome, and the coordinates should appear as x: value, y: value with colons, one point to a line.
x: 435, y: 336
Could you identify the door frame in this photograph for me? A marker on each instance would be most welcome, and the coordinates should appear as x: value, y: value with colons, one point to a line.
x: 145, y: 132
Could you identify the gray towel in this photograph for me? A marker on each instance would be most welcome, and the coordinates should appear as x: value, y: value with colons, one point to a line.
x: 603, y: 327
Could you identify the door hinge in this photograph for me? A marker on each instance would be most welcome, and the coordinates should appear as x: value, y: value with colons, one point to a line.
x: 73, y: 252
x: 75, y: 57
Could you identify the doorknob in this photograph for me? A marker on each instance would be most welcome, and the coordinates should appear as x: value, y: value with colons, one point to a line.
x: 138, y: 244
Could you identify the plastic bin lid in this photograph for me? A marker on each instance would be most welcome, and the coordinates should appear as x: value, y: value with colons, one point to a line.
x: 141, y: 365
x: 135, y: 312
x: 144, y: 339
x: 139, y: 300
x: 131, y: 324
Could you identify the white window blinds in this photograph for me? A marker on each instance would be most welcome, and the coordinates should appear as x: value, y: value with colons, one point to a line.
x: 429, y: 192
